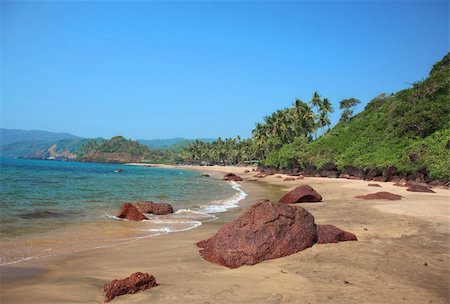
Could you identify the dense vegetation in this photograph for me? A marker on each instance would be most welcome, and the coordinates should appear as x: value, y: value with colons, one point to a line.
x: 120, y: 149
x: 409, y: 130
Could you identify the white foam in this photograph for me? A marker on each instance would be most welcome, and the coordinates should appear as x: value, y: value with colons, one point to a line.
x: 224, y: 205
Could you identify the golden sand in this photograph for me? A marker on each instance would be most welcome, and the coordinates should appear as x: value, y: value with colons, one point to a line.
x: 402, y: 256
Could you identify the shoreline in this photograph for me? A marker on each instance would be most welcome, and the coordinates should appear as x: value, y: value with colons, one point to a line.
x: 393, y: 241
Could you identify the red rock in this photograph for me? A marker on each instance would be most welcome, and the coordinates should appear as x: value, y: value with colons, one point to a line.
x: 131, y: 213
x: 300, y: 194
x: 137, y: 282
x: 155, y: 208
x: 381, y: 195
x: 373, y: 185
x: 232, y: 177
x: 419, y: 188
x: 288, y: 179
x: 331, y: 234
x: 414, y: 183
x: 379, y: 179
x: 265, y: 231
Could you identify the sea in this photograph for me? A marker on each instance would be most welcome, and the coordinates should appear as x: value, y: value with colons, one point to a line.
x: 55, y: 207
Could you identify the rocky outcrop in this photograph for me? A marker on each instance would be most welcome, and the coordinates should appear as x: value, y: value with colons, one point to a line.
x: 131, y: 213
x: 154, y: 208
x: 266, y: 231
x: 354, y: 171
x: 420, y: 188
x: 331, y: 234
x: 380, y: 196
x: 300, y: 194
x: 232, y: 177
x: 135, y: 283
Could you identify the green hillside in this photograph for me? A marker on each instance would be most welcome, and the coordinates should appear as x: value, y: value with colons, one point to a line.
x: 409, y: 130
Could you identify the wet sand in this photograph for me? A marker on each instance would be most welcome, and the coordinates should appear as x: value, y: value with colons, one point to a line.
x: 402, y: 256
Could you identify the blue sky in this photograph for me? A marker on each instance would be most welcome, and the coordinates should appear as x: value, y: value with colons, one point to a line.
x: 204, y: 69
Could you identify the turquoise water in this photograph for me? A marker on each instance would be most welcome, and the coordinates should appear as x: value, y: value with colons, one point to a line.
x: 49, y: 207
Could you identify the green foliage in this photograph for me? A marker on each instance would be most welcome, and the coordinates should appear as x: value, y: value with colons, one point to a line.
x: 289, y: 155
x: 392, y: 127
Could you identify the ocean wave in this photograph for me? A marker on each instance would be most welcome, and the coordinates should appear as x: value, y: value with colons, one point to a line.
x: 223, y: 205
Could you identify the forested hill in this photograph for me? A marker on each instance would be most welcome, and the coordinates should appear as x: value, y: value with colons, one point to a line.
x: 409, y: 130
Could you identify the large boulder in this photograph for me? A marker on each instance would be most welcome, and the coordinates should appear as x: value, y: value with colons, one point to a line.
x: 137, y: 282
x: 420, y: 188
x: 380, y: 196
x: 300, y: 194
x: 131, y: 213
x: 265, y: 231
x: 155, y: 208
x: 331, y: 234
x: 232, y: 177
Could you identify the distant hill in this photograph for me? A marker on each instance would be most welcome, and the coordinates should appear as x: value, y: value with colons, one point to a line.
x: 44, y: 149
x: 44, y: 145
x: 8, y: 136
x: 172, y: 144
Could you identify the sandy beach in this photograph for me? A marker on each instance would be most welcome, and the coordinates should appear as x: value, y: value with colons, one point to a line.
x: 402, y: 256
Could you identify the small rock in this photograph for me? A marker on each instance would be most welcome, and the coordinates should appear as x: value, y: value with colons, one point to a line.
x: 373, y: 185
x: 380, y: 195
x: 300, y: 194
x: 131, y: 213
x: 232, y: 177
x: 419, y: 188
x: 205, y: 175
x: 137, y: 282
x: 330, y: 234
x: 155, y: 208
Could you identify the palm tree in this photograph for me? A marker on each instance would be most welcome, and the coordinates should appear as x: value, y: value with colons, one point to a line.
x: 325, y: 109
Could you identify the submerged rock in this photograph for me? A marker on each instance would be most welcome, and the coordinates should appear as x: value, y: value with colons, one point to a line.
x: 40, y: 214
x: 137, y: 282
x: 331, y: 234
x: 300, y: 194
x: 131, y: 213
x: 380, y: 196
x: 152, y: 207
x: 267, y: 231
x: 232, y: 177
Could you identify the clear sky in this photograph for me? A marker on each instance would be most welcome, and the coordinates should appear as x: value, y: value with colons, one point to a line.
x: 147, y: 69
